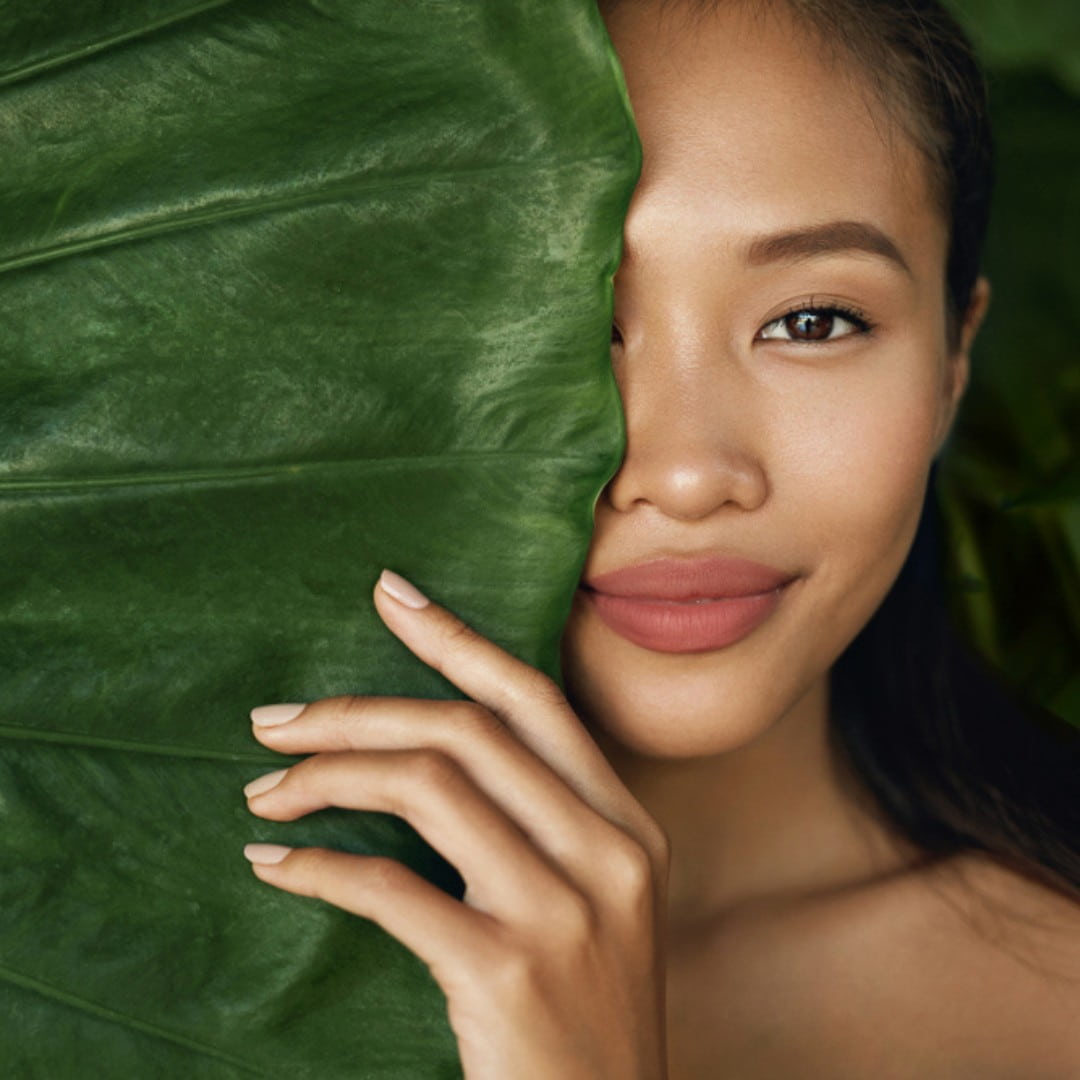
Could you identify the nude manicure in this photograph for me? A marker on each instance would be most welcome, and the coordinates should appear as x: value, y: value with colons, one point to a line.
x: 262, y: 784
x: 265, y: 854
x: 272, y: 715
x: 401, y: 590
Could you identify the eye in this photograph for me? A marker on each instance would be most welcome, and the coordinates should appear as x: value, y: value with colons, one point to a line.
x: 809, y: 325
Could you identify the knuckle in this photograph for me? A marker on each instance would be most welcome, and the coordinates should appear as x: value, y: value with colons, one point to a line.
x: 349, y: 708
x: 384, y: 875
x: 432, y: 768
x: 571, y: 917
x: 629, y: 866
x: 459, y: 635
x: 537, y: 689
x: 657, y: 844
x: 349, y: 711
x: 513, y: 973
x: 471, y: 720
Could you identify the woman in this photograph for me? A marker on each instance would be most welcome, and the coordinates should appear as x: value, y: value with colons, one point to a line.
x: 677, y: 870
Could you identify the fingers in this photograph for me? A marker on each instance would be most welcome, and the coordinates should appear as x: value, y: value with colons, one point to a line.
x: 503, y: 871
x: 560, y: 818
x: 556, y: 818
x: 440, y: 931
x: 528, y: 702
x: 485, y: 672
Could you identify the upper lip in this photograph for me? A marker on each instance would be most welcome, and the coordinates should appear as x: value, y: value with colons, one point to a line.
x: 712, y: 578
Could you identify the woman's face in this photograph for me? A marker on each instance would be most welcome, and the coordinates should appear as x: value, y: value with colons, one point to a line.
x: 770, y: 186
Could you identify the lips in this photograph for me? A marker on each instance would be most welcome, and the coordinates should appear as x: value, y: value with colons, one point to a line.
x: 687, y: 605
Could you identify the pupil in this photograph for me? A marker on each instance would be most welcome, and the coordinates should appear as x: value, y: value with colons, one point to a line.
x: 808, y: 326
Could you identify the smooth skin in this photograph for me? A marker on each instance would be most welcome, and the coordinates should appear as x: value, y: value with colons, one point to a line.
x: 672, y: 878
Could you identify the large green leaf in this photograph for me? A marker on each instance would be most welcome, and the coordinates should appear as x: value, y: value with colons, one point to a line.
x: 288, y: 292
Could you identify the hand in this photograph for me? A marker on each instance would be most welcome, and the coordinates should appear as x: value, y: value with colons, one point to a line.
x: 552, y: 965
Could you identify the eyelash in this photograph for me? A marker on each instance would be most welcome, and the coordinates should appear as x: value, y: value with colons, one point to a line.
x: 857, y: 318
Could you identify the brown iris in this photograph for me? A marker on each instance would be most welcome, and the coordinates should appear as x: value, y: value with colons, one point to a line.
x: 809, y: 325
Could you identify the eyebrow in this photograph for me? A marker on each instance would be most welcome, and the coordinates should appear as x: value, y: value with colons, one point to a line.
x: 828, y: 239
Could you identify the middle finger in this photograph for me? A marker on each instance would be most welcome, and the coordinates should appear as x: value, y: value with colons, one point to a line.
x: 525, y: 788
x: 503, y: 871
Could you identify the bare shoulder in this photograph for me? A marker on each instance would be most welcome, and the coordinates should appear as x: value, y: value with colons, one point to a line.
x: 965, y: 962
x: 960, y: 971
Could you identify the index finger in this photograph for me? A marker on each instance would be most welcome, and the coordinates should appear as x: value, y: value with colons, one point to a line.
x: 526, y: 700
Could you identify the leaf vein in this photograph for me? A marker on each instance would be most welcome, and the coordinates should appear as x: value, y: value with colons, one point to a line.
x: 113, y: 1016
x: 103, y: 742
x: 329, y: 193
x: 92, y: 48
x: 236, y: 474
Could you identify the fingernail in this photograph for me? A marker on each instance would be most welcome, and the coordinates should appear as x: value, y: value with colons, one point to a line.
x: 262, y: 784
x: 401, y: 590
x: 265, y: 854
x: 272, y: 715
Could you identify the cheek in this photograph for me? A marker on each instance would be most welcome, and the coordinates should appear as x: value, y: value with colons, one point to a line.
x: 855, y: 465
x: 847, y: 454
x: 857, y: 452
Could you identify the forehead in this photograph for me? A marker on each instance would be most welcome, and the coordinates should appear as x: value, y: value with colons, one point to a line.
x: 750, y: 122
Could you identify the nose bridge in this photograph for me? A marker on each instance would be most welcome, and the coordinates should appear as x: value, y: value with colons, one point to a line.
x: 689, y: 406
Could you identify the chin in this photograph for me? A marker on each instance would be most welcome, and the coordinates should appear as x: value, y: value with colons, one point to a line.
x: 674, y: 706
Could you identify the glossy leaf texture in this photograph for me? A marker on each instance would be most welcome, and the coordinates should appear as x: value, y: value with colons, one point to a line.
x: 289, y: 292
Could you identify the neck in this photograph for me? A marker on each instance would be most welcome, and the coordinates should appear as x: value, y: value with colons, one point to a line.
x: 776, y: 818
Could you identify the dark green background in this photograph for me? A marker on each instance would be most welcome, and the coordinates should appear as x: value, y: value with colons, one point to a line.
x: 1010, y: 481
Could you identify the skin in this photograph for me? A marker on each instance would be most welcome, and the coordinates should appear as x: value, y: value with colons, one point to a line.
x: 658, y: 869
x: 812, y: 458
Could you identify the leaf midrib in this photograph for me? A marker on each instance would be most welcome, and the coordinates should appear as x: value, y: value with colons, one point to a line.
x: 234, y: 474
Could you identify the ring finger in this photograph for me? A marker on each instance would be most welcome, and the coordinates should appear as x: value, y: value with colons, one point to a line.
x: 527, y: 790
x: 503, y: 871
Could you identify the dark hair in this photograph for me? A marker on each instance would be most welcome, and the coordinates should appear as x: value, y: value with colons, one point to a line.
x: 950, y: 755
x: 957, y: 761
x: 925, y: 74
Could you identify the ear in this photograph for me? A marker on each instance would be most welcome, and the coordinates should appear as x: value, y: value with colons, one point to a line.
x: 958, y: 365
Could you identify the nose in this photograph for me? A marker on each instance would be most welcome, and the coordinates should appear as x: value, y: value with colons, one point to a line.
x: 693, y: 445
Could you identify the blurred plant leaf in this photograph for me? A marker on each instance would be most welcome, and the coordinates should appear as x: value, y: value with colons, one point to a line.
x: 288, y: 292
x: 1010, y: 486
x: 1042, y: 34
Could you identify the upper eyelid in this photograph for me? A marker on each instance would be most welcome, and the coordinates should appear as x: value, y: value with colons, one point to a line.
x: 845, y: 311
x: 859, y: 321
x: 862, y: 323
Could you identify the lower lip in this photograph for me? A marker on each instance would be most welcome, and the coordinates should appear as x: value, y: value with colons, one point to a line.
x: 674, y: 627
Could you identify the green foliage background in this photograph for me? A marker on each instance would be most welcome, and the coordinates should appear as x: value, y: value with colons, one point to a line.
x: 1010, y: 477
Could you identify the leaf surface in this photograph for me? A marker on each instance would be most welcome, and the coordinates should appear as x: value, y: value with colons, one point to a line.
x: 289, y: 292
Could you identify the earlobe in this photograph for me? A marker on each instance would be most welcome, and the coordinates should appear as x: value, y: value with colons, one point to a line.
x: 976, y: 312
x: 959, y: 363
x: 956, y: 384
x: 973, y: 319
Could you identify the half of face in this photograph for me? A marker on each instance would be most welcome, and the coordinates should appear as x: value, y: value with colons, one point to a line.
x: 780, y: 349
